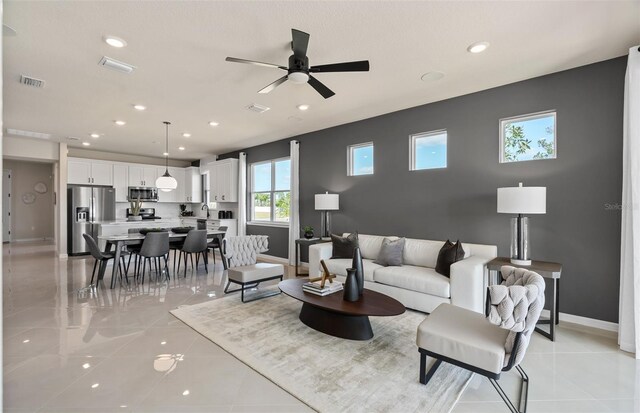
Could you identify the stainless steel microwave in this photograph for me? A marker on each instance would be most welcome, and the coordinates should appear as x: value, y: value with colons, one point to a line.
x: 146, y: 194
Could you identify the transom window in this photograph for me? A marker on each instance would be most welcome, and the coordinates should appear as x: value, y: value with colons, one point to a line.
x: 528, y: 137
x: 270, y: 191
x: 360, y: 159
x: 428, y: 150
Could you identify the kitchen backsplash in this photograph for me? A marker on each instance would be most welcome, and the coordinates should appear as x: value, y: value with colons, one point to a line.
x: 164, y: 210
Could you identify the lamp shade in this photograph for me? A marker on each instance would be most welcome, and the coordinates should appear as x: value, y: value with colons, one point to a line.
x: 166, y: 183
x: 522, y: 200
x: 327, y: 202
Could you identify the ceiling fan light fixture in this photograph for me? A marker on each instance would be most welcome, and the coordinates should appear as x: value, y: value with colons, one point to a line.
x: 298, y: 77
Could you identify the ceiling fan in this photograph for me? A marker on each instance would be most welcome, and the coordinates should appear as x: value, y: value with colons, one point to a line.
x: 299, y: 70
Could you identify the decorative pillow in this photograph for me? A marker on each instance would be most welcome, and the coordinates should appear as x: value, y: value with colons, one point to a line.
x: 343, y: 246
x: 449, y: 253
x: 391, y: 252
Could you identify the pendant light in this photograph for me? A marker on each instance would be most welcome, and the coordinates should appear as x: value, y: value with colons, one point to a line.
x: 166, y: 182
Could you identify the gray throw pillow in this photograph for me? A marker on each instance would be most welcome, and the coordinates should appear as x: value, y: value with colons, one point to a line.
x: 343, y: 247
x: 390, y: 254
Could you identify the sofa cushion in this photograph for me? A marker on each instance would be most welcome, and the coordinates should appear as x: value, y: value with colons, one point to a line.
x: 463, y: 335
x: 343, y: 246
x: 391, y: 252
x: 255, y: 272
x: 339, y: 266
x: 420, y: 252
x: 450, y: 253
x: 420, y: 279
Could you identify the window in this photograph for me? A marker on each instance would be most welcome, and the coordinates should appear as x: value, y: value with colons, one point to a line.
x: 428, y: 150
x: 528, y: 137
x: 270, y: 186
x: 360, y: 159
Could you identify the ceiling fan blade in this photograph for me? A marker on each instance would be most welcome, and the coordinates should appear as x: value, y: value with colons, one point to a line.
x: 299, y: 43
x: 359, y: 66
x: 253, y: 62
x: 320, y: 87
x: 273, y: 85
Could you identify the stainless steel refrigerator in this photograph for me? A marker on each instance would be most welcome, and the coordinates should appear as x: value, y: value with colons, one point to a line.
x: 87, y: 207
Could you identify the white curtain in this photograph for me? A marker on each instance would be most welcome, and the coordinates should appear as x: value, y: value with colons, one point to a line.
x: 242, y: 194
x: 294, y: 209
x: 629, y: 324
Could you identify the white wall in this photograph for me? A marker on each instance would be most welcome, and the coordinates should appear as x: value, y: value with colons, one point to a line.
x: 29, y: 149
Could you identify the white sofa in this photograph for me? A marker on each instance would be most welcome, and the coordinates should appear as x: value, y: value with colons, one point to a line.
x: 416, y: 284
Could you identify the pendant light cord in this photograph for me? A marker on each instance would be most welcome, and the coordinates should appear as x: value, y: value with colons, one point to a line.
x: 166, y: 158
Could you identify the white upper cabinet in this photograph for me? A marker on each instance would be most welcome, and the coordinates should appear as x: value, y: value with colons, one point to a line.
x: 121, y: 182
x: 224, y: 182
x: 88, y: 172
x: 140, y: 175
x: 193, y: 184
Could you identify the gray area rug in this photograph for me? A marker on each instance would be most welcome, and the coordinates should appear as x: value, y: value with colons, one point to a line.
x: 328, y: 374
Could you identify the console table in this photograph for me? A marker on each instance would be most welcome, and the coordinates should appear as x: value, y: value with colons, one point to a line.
x: 307, y: 243
x: 548, y: 270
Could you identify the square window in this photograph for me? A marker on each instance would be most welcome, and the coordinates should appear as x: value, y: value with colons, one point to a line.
x: 428, y: 150
x: 360, y: 159
x: 528, y: 137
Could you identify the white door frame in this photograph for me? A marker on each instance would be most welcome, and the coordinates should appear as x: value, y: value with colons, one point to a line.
x: 6, y: 205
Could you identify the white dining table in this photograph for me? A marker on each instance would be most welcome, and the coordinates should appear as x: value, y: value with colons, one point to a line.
x: 118, y: 241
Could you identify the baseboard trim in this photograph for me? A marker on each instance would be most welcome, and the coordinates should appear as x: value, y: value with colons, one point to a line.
x: 31, y: 239
x: 586, y: 321
x: 273, y: 258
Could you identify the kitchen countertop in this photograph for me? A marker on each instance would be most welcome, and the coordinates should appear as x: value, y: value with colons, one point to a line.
x: 145, y: 222
x: 212, y: 218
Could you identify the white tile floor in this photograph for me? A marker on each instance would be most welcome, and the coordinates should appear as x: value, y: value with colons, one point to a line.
x: 122, y: 352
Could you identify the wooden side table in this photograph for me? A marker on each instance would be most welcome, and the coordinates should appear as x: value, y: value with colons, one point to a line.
x: 307, y: 243
x: 549, y: 270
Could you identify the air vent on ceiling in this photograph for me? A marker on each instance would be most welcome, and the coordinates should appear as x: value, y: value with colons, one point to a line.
x: 31, y: 81
x: 116, y: 65
x: 254, y: 107
x: 28, y: 134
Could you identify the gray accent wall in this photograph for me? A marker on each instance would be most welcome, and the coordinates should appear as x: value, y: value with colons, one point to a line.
x: 581, y: 228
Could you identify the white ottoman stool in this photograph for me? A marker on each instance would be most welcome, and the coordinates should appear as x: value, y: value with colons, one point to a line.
x: 249, y: 276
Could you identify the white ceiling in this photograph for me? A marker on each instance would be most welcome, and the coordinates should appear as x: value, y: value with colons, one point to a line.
x: 179, y: 50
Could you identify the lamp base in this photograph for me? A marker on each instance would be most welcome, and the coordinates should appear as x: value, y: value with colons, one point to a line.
x: 520, y: 262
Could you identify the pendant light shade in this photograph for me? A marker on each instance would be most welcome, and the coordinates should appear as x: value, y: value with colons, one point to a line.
x: 166, y: 182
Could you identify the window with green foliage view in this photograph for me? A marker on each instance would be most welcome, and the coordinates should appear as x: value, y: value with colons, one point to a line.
x: 528, y: 137
x: 270, y: 191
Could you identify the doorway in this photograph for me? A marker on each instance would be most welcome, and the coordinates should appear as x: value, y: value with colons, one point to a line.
x: 6, y: 205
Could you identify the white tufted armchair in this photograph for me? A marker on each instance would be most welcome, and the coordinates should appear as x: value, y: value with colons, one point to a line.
x: 242, y: 254
x: 487, y: 345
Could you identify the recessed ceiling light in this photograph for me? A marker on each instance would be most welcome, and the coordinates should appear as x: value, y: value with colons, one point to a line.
x: 26, y: 341
x: 478, y: 47
x: 120, y: 122
x: 181, y: 148
x: 86, y: 144
x: 212, y: 123
x: 186, y: 135
x: 303, y: 107
x: 165, y: 153
x: 94, y: 385
x: 95, y: 135
x: 139, y: 107
x: 431, y: 76
x: 115, y: 41
x: 185, y: 393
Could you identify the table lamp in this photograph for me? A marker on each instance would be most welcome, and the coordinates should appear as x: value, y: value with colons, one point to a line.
x: 521, y: 200
x: 326, y: 202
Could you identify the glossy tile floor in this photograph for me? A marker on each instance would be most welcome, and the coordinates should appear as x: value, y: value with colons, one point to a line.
x: 121, y: 351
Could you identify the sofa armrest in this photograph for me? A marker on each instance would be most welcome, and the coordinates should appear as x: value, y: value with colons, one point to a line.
x: 318, y: 252
x: 468, y: 281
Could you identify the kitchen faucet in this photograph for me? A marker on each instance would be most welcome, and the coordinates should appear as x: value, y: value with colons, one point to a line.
x: 205, y: 206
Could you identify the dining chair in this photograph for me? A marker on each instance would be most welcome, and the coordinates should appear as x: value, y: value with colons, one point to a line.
x: 134, y: 250
x: 103, y: 257
x: 215, y: 243
x: 194, y: 243
x: 155, y: 247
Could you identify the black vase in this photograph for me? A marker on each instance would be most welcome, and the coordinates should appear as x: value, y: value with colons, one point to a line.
x: 356, y: 264
x: 351, y: 286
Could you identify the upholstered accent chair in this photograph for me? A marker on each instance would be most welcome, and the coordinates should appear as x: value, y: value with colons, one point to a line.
x: 490, y: 344
x: 242, y: 255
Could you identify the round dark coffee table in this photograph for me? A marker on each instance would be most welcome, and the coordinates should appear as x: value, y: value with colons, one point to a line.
x: 334, y: 316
